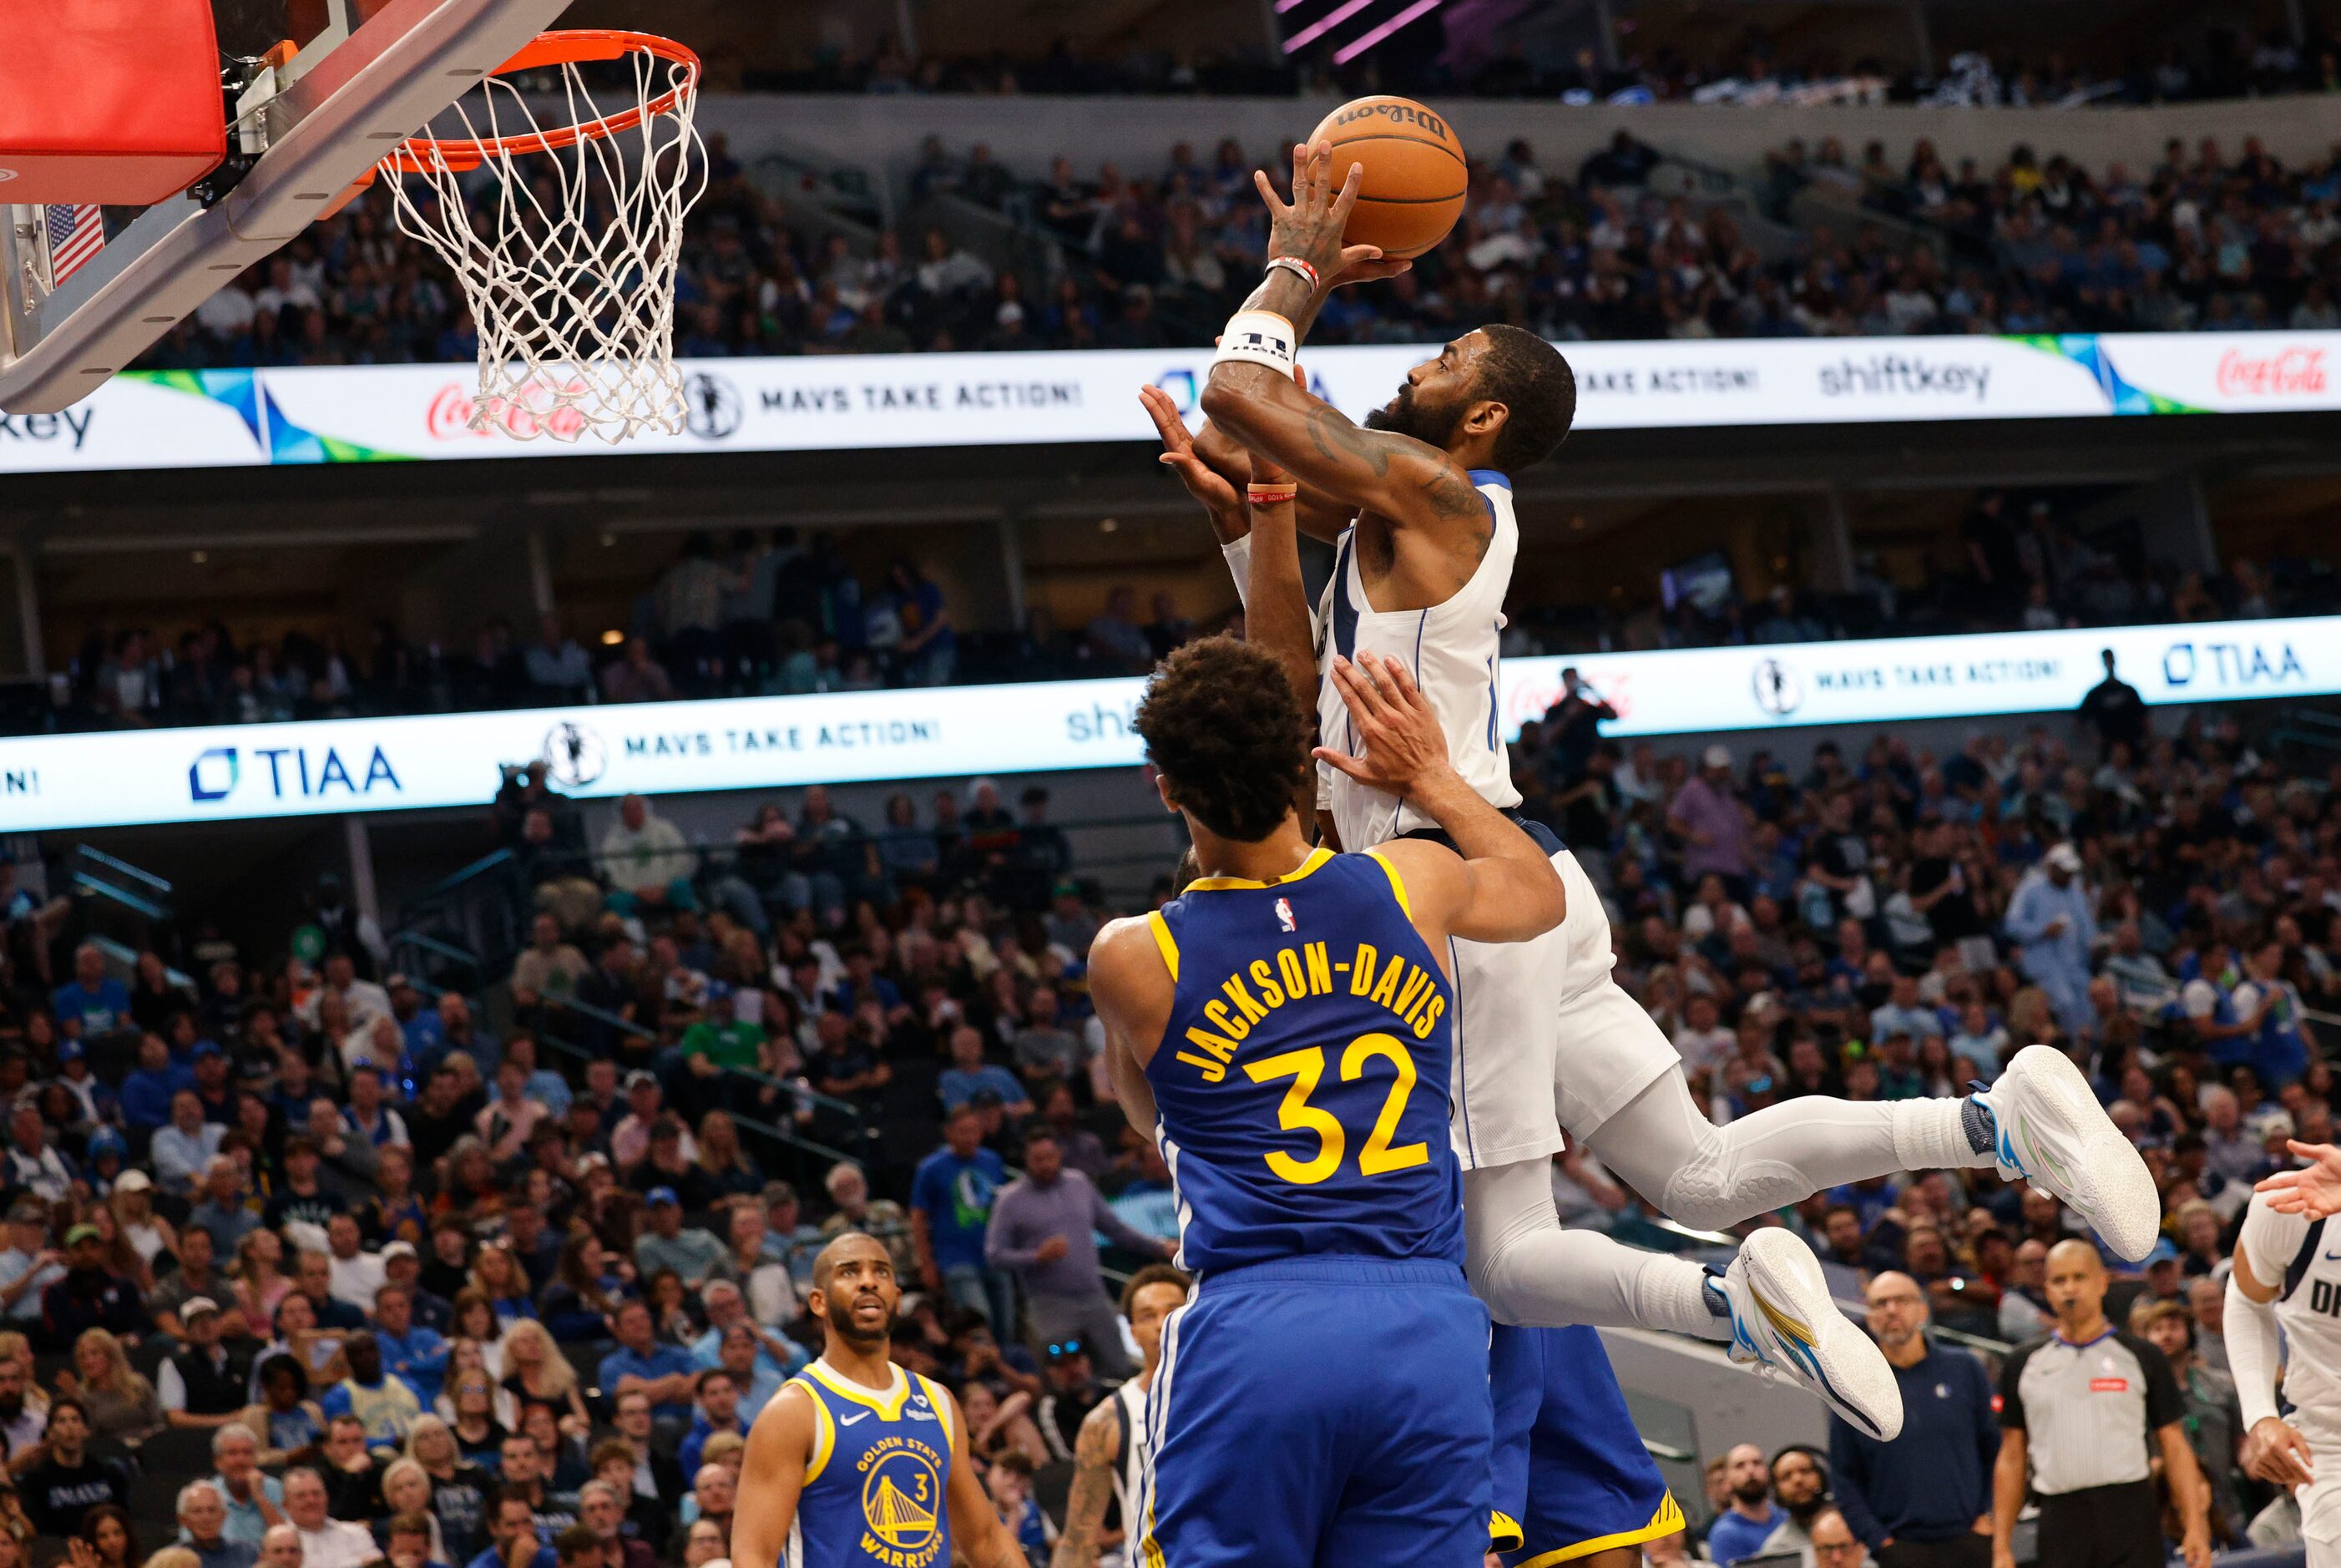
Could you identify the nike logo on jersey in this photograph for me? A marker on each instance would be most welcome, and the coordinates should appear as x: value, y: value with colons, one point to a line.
x: 849, y: 1420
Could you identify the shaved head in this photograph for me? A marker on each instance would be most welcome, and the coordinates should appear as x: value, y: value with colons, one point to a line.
x: 2076, y: 1289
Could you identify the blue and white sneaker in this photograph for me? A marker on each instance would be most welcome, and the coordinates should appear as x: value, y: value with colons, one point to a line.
x: 2054, y: 1133
x: 1783, y: 1324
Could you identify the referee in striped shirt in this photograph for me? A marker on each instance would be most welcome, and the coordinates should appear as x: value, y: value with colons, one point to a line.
x: 2085, y: 1410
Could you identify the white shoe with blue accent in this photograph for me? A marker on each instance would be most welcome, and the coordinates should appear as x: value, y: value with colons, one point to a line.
x: 1784, y: 1324
x: 2054, y: 1133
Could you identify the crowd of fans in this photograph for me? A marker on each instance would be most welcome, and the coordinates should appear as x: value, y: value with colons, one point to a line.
x: 2227, y: 63
x: 762, y: 613
x: 1885, y: 923
x: 2199, y: 240
x: 313, y: 1262
x: 452, y: 1257
x: 1157, y: 257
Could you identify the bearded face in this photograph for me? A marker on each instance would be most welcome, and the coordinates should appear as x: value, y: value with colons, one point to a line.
x: 1411, y: 413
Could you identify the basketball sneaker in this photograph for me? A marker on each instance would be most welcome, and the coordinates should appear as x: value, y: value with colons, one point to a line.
x: 2051, y: 1132
x: 1783, y: 1324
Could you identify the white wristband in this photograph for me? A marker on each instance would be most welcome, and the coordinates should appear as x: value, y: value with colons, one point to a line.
x: 1259, y: 337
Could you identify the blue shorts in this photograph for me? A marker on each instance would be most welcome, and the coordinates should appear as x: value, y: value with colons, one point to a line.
x: 1323, y: 1412
x: 1573, y: 1477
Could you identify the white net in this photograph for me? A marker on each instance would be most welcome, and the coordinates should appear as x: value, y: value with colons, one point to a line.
x: 562, y: 224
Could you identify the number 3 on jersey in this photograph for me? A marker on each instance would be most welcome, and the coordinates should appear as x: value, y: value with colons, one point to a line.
x: 1295, y: 1114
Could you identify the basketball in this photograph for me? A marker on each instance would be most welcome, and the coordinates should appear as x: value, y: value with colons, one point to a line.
x: 1415, y: 178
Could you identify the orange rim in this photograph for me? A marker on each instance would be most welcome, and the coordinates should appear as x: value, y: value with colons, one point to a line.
x: 425, y: 155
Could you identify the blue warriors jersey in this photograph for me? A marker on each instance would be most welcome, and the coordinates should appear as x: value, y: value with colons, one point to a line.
x: 873, y: 1490
x: 1302, y: 1079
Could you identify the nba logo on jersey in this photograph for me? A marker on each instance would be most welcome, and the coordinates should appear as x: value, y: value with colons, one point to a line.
x: 1284, y: 915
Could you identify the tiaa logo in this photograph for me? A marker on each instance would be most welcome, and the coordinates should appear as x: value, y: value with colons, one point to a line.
x: 294, y: 772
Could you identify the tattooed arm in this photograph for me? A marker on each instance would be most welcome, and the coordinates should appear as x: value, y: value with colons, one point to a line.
x: 1093, y: 1488
x: 1411, y: 483
x: 1408, y: 482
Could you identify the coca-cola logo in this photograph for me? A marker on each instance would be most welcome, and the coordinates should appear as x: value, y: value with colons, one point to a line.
x: 535, y: 407
x: 2289, y: 371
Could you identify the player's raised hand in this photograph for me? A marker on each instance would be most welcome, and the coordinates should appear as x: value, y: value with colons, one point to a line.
x: 1309, y: 225
x: 2314, y: 1189
x: 2275, y: 1454
x: 1402, y: 742
x: 1206, y: 482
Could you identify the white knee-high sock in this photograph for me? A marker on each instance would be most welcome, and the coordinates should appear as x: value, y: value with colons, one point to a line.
x: 1529, y: 1270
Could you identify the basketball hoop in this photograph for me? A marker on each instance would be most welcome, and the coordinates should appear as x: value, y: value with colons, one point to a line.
x: 564, y: 232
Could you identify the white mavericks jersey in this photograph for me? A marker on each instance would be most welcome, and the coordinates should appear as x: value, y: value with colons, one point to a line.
x: 2303, y: 1258
x: 1451, y: 649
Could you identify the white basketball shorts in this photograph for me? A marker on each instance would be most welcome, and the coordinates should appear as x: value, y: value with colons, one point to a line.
x: 1546, y: 1040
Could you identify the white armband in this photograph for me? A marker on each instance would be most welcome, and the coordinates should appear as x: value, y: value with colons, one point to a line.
x: 1259, y: 337
x: 2250, y: 1331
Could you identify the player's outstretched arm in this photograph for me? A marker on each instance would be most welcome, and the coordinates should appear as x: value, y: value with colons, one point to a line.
x: 1251, y: 394
x: 1496, y: 885
x: 1276, y: 603
x: 772, y: 1477
x: 2313, y: 1190
x: 2274, y: 1451
x: 1215, y: 467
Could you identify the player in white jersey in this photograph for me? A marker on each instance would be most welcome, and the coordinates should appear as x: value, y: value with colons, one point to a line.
x: 1419, y: 505
x: 2287, y: 1276
x: 1111, y: 1454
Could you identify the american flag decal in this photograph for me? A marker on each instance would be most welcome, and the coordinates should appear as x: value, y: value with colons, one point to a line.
x: 75, y: 234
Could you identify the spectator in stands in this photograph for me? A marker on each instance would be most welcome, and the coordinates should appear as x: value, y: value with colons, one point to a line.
x: 1921, y: 1498
x: 637, y: 678
x: 203, y: 1384
x: 1042, y: 1229
x: 119, y: 1401
x: 661, y: 1372
x: 2050, y: 916
x: 93, y: 1004
x: 386, y: 1406
x: 511, y: 1533
x: 184, y: 1150
x: 413, y: 1353
x: 223, y: 1213
x: 970, y: 1075
x: 203, y: 1520
x: 1741, y: 1530
x: 557, y: 666
x: 254, y: 1502
x: 33, y: 1163
x: 285, y: 1419
x: 29, y: 1266
x: 2214, y: 1422
x: 89, y: 1294
x: 717, y: 1410
x: 691, y: 1253
x: 1115, y: 637
x: 66, y: 1481
x: 647, y: 860
x: 602, y: 1508
x: 549, y: 968
x: 1045, y: 1050
x: 953, y: 1198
